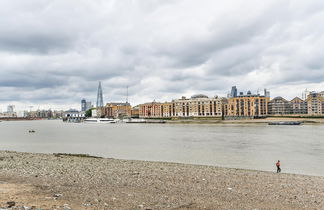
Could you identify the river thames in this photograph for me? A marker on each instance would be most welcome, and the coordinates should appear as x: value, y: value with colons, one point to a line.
x: 253, y: 146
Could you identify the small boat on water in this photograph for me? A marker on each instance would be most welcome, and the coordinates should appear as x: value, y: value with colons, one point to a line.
x: 100, y: 120
x: 284, y: 123
x: 131, y: 120
x: 31, y: 131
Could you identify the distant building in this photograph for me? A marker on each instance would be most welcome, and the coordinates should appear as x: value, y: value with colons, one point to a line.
x: 117, y: 110
x: 315, y: 103
x: 197, y: 106
x: 10, y: 109
x: 73, y: 113
x: 155, y: 110
x: 22, y: 114
x: 322, y: 94
x: 233, y: 92
x: 88, y: 105
x: 94, y: 113
x: 100, y: 102
x: 299, y: 106
x: 150, y: 110
x: 167, y: 109
x: 6, y: 114
x: 85, y: 105
x: 135, y: 112
x: 280, y: 106
x: 246, y: 106
x: 236, y: 106
x: 305, y: 94
x: 266, y: 93
x: 10, y: 112
x: 46, y: 114
x: 58, y: 114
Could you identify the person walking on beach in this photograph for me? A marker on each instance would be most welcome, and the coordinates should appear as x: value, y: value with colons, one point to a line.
x: 278, y: 166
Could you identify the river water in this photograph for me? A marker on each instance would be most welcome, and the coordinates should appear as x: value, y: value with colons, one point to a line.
x: 299, y: 148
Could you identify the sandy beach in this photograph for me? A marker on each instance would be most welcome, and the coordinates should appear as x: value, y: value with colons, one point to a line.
x: 47, y: 181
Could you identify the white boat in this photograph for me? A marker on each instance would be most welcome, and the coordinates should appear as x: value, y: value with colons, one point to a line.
x: 100, y: 120
x: 132, y: 120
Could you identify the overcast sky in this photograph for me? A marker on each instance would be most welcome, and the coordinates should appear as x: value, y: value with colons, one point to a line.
x: 54, y: 52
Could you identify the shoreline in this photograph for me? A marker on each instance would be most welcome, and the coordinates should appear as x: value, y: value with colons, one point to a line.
x: 302, y: 120
x: 84, y: 155
x: 49, y: 181
x: 306, y: 121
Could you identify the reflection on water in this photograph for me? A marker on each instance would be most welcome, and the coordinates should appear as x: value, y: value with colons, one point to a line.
x: 300, y: 148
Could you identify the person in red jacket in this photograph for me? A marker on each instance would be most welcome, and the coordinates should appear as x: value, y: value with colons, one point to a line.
x: 278, y: 166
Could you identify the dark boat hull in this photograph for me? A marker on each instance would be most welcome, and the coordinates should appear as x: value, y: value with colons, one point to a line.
x: 284, y: 123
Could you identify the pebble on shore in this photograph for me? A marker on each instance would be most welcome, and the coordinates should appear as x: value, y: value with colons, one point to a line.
x: 75, y: 182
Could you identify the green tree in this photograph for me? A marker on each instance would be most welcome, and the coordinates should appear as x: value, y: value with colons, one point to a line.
x: 88, y: 113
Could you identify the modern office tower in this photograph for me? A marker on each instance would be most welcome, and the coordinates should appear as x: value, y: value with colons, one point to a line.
x: 99, y: 96
x: 305, y: 94
x: 10, y: 108
x: 88, y: 105
x: 266, y: 93
x: 233, y: 92
x: 83, y: 105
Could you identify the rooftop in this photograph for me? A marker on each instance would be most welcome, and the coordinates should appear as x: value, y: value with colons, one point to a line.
x: 199, y: 96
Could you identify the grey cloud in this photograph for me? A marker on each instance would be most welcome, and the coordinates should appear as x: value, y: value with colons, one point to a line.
x: 197, y: 50
x: 57, y: 51
x: 32, y: 81
x: 34, y: 43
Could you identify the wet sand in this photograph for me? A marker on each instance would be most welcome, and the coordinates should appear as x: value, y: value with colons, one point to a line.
x: 49, y: 181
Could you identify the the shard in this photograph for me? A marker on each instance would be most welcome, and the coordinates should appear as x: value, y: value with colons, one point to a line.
x: 99, y: 96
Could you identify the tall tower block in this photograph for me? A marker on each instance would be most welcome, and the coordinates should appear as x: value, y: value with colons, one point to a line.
x: 99, y: 96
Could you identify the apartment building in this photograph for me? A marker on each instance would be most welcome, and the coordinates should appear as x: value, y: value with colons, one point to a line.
x: 280, y: 106
x: 299, y: 106
x: 150, y: 110
x: 247, y: 106
x: 135, y: 112
x: 196, y: 106
x: 315, y: 103
x: 117, y: 110
x: 166, y: 109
